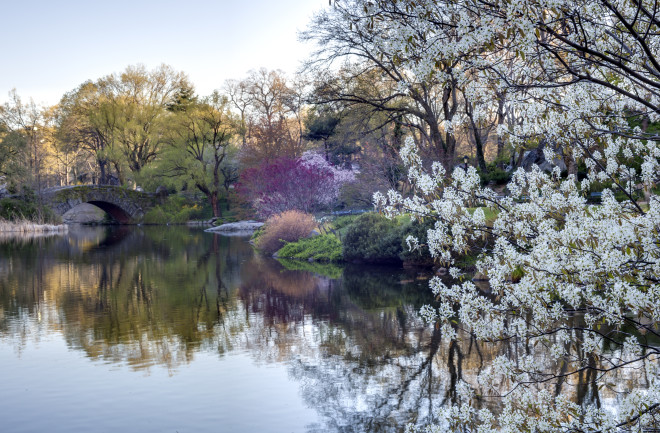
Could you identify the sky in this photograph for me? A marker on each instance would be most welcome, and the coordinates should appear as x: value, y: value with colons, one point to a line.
x: 51, y: 47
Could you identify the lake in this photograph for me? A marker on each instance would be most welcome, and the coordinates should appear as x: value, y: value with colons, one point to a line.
x: 173, y: 329
x: 170, y: 329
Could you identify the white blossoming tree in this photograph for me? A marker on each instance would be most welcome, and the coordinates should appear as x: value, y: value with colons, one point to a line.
x: 577, y: 282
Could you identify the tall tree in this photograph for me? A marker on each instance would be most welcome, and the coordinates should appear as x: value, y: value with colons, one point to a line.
x: 579, y: 282
x: 83, y: 124
x: 198, y: 152
x: 24, y: 125
x: 136, y: 103
x: 373, y: 75
x: 271, y: 114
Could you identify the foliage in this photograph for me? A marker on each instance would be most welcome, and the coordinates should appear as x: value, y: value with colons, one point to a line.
x: 26, y: 208
x: 307, y: 184
x: 343, y: 221
x: 289, y: 226
x: 494, y: 174
x: 270, y: 107
x: 322, y: 248
x: 12, y: 150
x: 372, y: 238
x: 420, y: 256
x: 120, y: 121
x: 553, y: 256
x: 176, y: 210
x: 198, y: 153
x: 537, y: 267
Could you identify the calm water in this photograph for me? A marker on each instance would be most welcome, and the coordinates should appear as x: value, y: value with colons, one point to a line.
x: 173, y: 329
x: 162, y: 329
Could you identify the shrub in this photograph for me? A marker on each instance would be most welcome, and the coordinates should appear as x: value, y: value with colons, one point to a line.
x: 372, y: 238
x: 323, y: 248
x: 420, y: 256
x: 288, y: 226
x: 495, y: 174
x: 176, y: 210
x: 343, y: 221
x: 156, y: 216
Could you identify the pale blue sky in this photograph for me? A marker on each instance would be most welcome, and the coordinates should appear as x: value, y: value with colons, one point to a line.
x: 50, y: 47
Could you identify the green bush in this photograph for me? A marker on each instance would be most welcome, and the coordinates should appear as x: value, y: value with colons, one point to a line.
x: 372, y: 238
x: 343, y: 221
x: 156, y: 216
x: 176, y: 210
x: 495, y: 174
x: 323, y: 248
x: 421, y: 256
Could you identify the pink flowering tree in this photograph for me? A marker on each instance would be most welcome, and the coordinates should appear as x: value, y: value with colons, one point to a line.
x: 308, y: 184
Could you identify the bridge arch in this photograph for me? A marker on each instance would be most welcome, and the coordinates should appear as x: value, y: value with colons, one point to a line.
x: 116, y: 212
x: 124, y: 205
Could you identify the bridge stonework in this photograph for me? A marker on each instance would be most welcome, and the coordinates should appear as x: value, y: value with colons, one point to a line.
x: 124, y: 205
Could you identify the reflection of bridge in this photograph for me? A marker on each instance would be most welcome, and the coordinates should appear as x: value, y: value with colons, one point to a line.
x: 124, y: 205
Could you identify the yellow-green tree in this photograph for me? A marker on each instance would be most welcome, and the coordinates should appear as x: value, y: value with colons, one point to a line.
x: 199, y: 152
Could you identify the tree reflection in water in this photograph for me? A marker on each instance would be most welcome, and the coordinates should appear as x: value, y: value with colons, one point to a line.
x: 156, y: 296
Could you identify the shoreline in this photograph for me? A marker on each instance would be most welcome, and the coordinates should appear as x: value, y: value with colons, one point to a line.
x: 31, y: 227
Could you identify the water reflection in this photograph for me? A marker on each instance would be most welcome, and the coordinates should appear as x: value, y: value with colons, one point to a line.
x: 350, y: 337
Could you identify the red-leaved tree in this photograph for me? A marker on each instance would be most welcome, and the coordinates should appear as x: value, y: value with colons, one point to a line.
x: 284, y: 184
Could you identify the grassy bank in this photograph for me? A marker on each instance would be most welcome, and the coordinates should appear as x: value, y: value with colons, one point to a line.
x: 369, y: 238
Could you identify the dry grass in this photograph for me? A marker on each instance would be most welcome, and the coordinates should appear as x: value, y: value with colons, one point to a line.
x: 31, y: 227
x: 288, y: 226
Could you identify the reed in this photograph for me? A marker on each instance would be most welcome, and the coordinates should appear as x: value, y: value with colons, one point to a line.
x: 25, y: 226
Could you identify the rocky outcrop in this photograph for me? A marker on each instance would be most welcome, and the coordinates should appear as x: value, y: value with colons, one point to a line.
x: 84, y: 213
x: 242, y: 227
x: 537, y: 157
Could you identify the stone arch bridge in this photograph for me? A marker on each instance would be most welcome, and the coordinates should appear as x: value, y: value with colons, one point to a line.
x: 124, y: 205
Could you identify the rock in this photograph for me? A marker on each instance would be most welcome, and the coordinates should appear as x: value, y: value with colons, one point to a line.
x: 536, y: 156
x: 198, y: 223
x: 162, y: 191
x: 313, y: 234
x: 84, y: 213
x: 242, y: 227
x: 478, y: 276
x: 3, y: 187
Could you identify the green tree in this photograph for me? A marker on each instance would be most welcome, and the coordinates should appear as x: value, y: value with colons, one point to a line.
x: 198, y: 153
x: 22, y: 151
x: 83, y: 125
x: 136, y: 103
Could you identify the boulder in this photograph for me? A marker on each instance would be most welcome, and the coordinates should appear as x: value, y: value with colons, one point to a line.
x: 162, y: 191
x: 536, y: 156
x: 84, y: 213
x: 242, y: 227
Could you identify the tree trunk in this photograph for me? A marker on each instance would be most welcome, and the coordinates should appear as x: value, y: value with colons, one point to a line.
x: 501, y: 116
x: 215, y: 204
x: 480, y: 152
x: 571, y: 165
x: 103, y: 171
